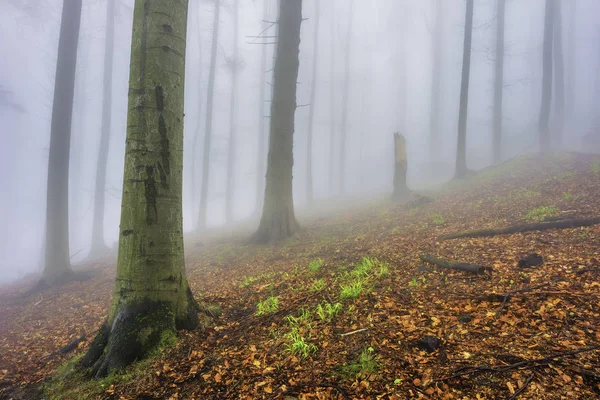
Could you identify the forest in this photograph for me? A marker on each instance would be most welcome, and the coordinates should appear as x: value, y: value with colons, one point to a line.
x: 300, y: 199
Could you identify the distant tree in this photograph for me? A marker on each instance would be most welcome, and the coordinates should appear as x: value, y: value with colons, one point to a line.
x: 57, y: 259
x: 152, y: 299
x: 98, y: 246
x: 6, y: 100
x: 571, y: 96
x: 499, y: 81
x: 461, y: 159
x: 559, y: 76
x: 209, y: 116
x: 234, y: 64
x: 436, y: 77
x: 198, y: 128
x: 544, y: 122
x: 278, y: 220
x: 311, y: 114
x: 345, y: 101
x: 332, y: 78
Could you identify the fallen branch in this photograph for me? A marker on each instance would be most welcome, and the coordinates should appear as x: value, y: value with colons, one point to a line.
x: 460, y: 266
x: 507, y: 296
x: 353, y: 332
x: 539, y: 226
x: 518, y: 392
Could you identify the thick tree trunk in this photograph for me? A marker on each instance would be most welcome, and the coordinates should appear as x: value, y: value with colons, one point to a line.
x: 401, y: 189
x: 262, y: 135
x: 559, y: 77
x: 151, y: 297
x: 208, y: 128
x: 544, y: 122
x: 345, y: 101
x: 98, y: 247
x: 311, y: 114
x: 436, y: 77
x: 278, y: 220
x: 499, y: 82
x: 332, y: 77
x: 232, y: 116
x: 461, y: 148
x: 57, y: 259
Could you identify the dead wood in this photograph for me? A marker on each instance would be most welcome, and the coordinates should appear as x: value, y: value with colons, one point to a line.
x: 460, y: 266
x: 539, y: 226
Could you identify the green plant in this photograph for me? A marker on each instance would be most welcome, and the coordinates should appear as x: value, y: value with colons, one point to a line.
x: 384, y: 270
x: 567, y: 196
x: 249, y: 280
x: 326, y: 311
x: 267, y: 306
x: 539, y: 213
x: 363, y: 269
x: 595, y: 168
x: 525, y: 194
x: 438, y: 219
x: 317, y: 286
x: 413, y: 283
x: 297, y: 345
x: 366, y: 364
x: 315, y: 265
x: 352, y: 290
x: 301, y: 320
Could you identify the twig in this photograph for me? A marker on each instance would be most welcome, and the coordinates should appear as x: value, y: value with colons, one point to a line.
x: 518, y: 392
x: 508, y: 295
x: 353, y: 332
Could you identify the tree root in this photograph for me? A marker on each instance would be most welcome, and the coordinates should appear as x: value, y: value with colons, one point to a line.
x: 460, y: 266
x: 539, y: 226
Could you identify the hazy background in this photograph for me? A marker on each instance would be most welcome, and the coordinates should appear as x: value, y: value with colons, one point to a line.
x: 390, y: 86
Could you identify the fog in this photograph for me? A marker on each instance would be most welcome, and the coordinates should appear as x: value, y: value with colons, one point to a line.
x: 389, y: 90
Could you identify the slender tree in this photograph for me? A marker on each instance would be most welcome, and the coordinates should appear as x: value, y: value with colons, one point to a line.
x: 262, y: 134
x: 571, y: 97
x: 332, y: 77
x: 345, y: 101
x: 461, y: 150
x: 57, y: 259
x: 232, y: 115
x: 544, y: 121
x: 499, y: 81
x: 559, y: 76
x: 436, y: 78
x: 198, y: 128
x: 311, y: 114
x: 278, y: 220
x: 151, y: 297
x: 98, y: 246
x: 209, y: 111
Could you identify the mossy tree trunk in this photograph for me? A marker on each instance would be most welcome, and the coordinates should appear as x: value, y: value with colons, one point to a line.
x: 151, y: 297
x: 98, y: 246
x: 208, y: 129
x: 499, y: 82
x: 461, y: 146
x: 57, y: 260
x: 544, y: 122
x: 278, y: 220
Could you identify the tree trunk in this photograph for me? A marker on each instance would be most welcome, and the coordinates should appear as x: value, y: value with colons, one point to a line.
x: 571, y: 65
x: 57, y: 259
x: 278, y: 220
x: 232, y: 116
x: 209, y: 112
x: 461, y: 150
x: 559, y: 76
x: 544, y: 122
x: 401, y: 189
x: 345, y: 99
x: 332, y: 77
x: 436, y: 77
x: 199, y: 115
x: 151, y: 297
x: 98, y: 246
x: 311, y: 114
x: 499, y: 82
x: 260, y: 161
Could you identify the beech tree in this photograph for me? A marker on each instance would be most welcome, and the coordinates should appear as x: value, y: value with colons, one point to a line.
x: 234, y: 65
x: 278, y: 220
x: 544, y: 121
x: 499, y: 82
x: 311, y: 114
x: 262, y: 135
x: 559, y: 75
x: 461, y: 150
x: 436, y: 77
x: 345, y: 100
x: 98, y: 246
x: 151, y: 297
x: 57, y: 259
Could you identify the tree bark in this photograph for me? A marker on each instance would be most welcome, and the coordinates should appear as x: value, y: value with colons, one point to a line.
x: 278, y: 220
x: 311, y: 114
x: 461, y: 149
x: 232, y: 117
x: 559, y: 76
x: 198, y: 119
x: 436, y: 77
x: 544, y: 121
x: 208, y: 129
x: 57, y: 259
x: 98, y: 246
x: 499, y: 82
x: 345, y: 100
x: 262, y: 135
x: 151, y: 297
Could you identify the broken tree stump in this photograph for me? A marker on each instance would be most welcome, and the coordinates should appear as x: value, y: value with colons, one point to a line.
x: 459, y: 266
x: 539, y: 226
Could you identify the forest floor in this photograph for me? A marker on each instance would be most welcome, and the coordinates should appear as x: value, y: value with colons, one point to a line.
x: 346, y: 309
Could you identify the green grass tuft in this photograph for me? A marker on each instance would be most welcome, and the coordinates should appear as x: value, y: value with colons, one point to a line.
x: 268, y: 306
x: 539, y: 213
